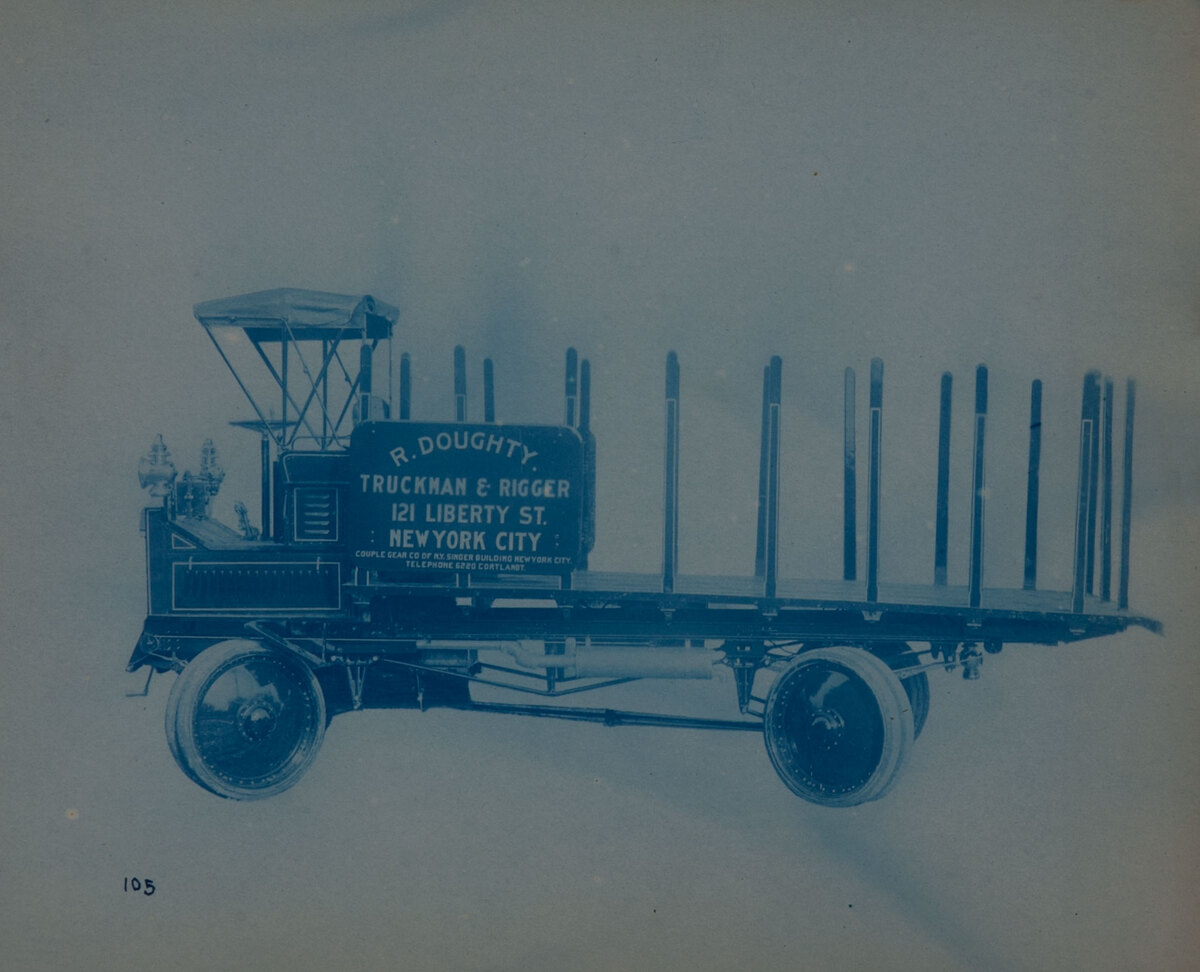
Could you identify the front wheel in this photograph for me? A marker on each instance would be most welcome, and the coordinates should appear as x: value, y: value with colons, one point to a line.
x: 838, y: 726
x: 245, y: 721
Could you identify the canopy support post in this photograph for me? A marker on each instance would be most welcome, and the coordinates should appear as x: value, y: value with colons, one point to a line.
x: 265, y: 453
x: 364, y: 383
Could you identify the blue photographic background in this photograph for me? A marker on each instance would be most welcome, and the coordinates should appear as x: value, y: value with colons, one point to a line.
x: 939, y: 184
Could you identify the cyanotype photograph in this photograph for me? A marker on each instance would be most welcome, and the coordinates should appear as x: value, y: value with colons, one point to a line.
x: 513, y: 486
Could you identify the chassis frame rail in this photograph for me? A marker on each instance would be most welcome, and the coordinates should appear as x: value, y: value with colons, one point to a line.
x: 612, y: 717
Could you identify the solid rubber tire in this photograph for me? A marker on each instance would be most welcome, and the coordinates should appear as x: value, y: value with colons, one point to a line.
x: 850, y: 751
x: 188, y: 719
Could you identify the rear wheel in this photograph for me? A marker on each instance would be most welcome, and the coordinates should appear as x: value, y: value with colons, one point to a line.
x: 838, y: 726
x: 245, y: 721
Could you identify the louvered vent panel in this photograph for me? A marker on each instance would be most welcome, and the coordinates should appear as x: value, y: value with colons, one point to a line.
x: 243, y: 586
x: 316, y: 514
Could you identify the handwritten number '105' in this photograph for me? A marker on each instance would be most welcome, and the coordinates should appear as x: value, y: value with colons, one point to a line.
x: 144, y: 885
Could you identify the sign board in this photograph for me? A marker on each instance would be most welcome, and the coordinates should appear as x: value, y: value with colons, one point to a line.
x: 434, y: 496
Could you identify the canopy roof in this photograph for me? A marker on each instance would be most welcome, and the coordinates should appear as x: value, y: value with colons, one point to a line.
x: 275, y: 315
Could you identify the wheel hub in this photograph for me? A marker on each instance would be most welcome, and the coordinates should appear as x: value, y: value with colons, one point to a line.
x: 828, y: 721
x: 257, y: 718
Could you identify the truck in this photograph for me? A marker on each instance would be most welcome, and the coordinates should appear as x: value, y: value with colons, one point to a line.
x: 400, y: 562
